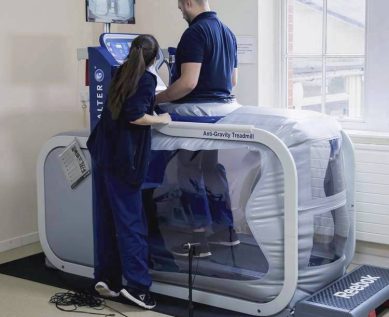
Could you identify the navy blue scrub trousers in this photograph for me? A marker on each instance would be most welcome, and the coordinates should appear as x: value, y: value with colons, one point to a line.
x: 120, y: 231
x: 205, y: 193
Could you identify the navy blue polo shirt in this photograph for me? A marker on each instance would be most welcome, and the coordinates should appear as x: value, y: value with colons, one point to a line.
x: 209, y: 42
x: 121, y: 146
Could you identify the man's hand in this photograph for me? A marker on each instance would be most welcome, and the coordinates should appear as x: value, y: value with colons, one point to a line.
x: 234, y: 78
x: 190, y: 73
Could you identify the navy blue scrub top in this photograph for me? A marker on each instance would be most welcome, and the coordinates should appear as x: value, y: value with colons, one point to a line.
x: 210, y: 42
x: 120, y: 146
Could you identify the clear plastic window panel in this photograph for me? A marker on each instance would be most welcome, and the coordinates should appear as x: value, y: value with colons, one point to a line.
x: 205, y: 191
x: 205, y: 198
x: 331, y: 226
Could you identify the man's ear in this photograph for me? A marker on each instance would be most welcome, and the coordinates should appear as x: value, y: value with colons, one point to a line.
x: 189, y: 3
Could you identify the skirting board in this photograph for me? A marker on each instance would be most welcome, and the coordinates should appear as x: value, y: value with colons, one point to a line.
x: 365, y: 259
x: 19, y: 241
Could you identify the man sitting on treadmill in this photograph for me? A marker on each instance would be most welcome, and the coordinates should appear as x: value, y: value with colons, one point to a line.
x: 205, y: 73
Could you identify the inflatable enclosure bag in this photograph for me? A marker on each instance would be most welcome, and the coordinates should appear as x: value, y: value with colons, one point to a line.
x: 243, y: 182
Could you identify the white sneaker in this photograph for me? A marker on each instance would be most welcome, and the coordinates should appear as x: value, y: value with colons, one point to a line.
x: 103, y: 289
x: 142, y: 299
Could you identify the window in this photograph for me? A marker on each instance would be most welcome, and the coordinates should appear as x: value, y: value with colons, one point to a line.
x: 324, y: 56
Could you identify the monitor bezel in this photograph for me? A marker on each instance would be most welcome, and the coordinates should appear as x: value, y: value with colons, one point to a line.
x: 130, y: 21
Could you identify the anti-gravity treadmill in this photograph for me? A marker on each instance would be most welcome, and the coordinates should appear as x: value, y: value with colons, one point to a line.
x: 290, y: 181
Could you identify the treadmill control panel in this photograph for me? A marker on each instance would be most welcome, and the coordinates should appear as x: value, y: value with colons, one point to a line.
x: 118, y: 45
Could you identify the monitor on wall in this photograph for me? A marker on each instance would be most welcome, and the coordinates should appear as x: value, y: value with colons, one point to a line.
x: 110, y: 11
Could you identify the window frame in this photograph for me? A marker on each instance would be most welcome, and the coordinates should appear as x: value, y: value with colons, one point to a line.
x: 324, y: 56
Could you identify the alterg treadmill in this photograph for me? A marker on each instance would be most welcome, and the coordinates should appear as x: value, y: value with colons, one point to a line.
x: 290, y: 183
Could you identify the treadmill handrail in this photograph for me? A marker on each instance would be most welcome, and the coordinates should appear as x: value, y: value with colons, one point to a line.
x: 196, y: 130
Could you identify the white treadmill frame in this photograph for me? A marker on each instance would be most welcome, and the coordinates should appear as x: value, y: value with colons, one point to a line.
x: 196, y: 130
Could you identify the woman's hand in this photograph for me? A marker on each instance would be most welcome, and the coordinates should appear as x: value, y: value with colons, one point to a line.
x: 165, y: 118
x: 155, y: 119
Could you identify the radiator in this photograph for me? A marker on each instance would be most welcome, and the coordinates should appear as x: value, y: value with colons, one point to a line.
x: 372, y: 186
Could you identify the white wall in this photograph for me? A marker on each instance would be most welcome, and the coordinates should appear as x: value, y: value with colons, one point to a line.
x: 377, y: 70
x: 269, y: 52
x: 39, y: 97
x: 39, y: 85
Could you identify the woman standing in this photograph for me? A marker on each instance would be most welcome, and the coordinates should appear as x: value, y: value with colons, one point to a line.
x: 120, y: 149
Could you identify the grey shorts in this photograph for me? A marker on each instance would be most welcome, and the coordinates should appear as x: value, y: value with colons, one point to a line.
x: 200, y: 109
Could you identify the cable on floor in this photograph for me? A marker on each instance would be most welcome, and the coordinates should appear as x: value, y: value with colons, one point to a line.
x: 71, y: 302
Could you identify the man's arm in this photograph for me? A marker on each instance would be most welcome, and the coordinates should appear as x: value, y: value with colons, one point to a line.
x: 234, y: 77
x: 190, y: 73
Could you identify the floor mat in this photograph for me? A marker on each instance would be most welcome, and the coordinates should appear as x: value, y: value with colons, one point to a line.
x: 33, y: 268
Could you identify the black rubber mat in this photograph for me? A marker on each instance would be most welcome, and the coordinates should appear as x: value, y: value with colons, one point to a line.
x: 33, y: 268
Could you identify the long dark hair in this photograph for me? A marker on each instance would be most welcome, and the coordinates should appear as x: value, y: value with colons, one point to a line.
x: 143, y: 51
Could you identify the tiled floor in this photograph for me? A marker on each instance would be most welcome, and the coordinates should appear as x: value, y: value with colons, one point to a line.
x: 21, y: 298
